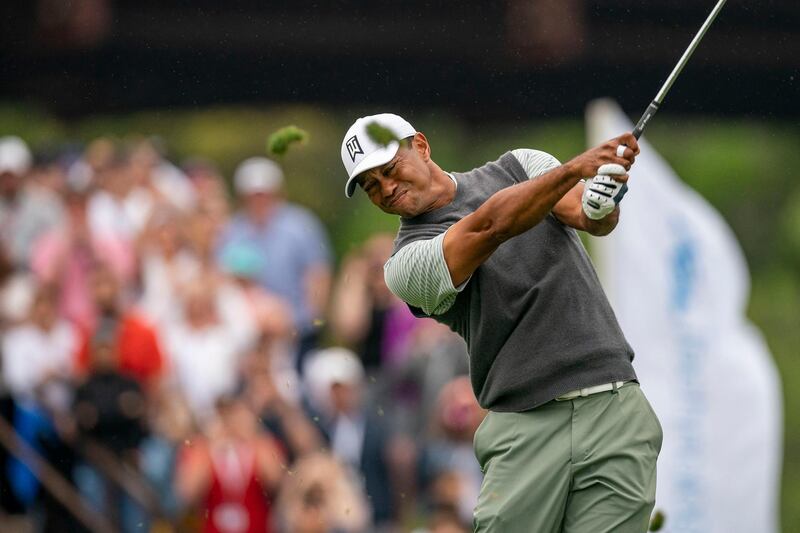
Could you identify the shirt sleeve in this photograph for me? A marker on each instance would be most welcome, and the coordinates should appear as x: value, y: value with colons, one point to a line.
x: 535, y: 162
x: 418, y: 275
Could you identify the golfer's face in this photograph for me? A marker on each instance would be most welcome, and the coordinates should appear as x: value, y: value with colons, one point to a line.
x: 401, y: 186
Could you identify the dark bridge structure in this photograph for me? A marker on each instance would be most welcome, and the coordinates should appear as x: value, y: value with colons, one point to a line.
x: 482, y: 59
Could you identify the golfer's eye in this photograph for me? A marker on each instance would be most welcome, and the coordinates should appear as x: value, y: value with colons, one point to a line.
x: 388, y: 170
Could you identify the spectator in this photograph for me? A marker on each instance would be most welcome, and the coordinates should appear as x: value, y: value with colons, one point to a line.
x: 29, y: 201
x: 41, y: 348
x: 135, y: 340
x: 156, y: 181
x: 206, y: 342
x: 15, y: 162
x: 133, y: 183
x: 435, y: 356
x: 167, y: 265
x: 295, y: 251
x: 110, y: 413
x: 203, y: 228
x: 276, y: 403
x: 209, y: 187
x: 171, y: 425
x: 365, y: 314
x: 272, y: 315
x: 38, y: 357
x: 321, y: 497
x: 453, y: 477
x: 66, y: 255
x: 17, y: 290
x: 232, y: 473
x: 359, y: 436
x: 114, y: 209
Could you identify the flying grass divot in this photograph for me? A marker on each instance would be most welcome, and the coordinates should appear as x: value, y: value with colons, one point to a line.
x: 381, y: 135
x: 657, y: 522
x: 279, y: 142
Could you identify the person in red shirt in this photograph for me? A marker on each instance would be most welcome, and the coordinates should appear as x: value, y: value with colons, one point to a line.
x: 134, y: 337
x: 232, y: 472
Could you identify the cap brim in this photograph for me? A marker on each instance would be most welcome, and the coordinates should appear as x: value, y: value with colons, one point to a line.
x: 377, y: 158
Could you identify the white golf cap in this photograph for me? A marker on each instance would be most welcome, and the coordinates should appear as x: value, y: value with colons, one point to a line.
x: 360, y: 152
x: 15, y: 157
x: 257, y: 175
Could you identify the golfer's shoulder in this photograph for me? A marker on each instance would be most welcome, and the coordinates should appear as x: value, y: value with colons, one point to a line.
x: 535, y: 162
x: 419, y: 229
x: 415, y: 250
x: 513, y: 166
x: 416, y: 243
x: 417, y: 273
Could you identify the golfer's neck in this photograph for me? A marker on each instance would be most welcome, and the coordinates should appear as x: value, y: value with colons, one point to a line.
x: 443, y: 188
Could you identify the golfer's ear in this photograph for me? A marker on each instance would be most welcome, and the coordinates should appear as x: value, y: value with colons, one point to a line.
x: 420, y: 145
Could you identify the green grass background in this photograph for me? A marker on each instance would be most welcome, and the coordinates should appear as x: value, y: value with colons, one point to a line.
x: 746, y: 168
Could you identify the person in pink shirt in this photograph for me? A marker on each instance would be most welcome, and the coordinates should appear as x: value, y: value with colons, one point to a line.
x: 67, y: 255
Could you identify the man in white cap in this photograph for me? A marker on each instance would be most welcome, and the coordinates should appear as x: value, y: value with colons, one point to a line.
x: 29, y: 201
x: 570, y: 442
x: 358, y: 436
x: 291, y: 241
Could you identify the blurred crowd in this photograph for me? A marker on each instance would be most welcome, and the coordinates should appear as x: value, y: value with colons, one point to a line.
x: 180, y: 353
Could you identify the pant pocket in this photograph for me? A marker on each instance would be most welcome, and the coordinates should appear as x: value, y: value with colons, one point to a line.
x: 651, y: 414
x: 477, y: 442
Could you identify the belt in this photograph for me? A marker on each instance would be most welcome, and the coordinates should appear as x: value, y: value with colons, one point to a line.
x: 590, y: 390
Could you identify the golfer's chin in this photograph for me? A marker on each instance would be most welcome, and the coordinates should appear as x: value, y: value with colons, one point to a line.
x: 394, y: 210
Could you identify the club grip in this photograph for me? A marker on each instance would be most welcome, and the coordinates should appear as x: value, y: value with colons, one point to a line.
x: 648, y: 114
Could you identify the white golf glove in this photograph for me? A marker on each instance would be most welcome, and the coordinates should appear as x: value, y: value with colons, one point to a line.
x: 602, y: 193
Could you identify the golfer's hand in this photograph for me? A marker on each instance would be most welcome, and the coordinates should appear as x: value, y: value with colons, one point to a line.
x: 588, y: 163
x: 602, y: 193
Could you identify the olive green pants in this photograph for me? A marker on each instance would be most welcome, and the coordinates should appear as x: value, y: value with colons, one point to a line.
x: 586, y: 465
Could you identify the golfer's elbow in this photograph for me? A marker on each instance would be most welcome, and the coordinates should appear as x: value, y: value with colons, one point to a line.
x: 483, y: 230
x: 495, y: 231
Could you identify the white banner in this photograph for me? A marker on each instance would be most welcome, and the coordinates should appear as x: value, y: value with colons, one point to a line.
x: 679, y: 284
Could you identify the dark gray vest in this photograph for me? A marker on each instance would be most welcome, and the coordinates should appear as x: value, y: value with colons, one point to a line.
x: 534, y: 316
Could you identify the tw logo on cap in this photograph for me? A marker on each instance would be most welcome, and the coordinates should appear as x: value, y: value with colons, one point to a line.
x: 353, y: 148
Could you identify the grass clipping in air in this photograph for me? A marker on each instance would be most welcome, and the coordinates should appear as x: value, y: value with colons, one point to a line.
x: 381, y: 135
x: 278, y: 143
x: 657, y: 522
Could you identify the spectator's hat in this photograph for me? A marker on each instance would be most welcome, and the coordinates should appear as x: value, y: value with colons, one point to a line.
x: 328, y: 367
x: 257, y: 175
x: 242, y: 260
x: 15, y: 157
x: 360, y: 152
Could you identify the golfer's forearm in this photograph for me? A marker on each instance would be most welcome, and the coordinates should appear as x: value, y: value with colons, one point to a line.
x: 517, y: 209
x: 602, y: 227
x: 509, y: 212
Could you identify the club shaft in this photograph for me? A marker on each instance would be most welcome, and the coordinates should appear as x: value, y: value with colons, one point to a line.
x: 654, y: 105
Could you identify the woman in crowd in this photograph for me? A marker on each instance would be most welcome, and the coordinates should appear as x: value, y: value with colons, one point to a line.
x: 232, y: 472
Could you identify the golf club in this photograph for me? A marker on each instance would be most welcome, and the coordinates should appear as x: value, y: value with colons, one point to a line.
x: 656, y: 103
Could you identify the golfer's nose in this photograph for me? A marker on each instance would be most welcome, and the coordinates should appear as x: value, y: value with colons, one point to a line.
x: 388, y: 187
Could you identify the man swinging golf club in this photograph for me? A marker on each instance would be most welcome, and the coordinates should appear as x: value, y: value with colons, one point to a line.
x: 570, y: 442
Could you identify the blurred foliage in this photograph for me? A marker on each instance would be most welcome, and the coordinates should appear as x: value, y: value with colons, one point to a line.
x: 743, y: 167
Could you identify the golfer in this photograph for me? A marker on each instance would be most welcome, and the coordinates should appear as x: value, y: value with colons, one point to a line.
x: 570, y: 442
